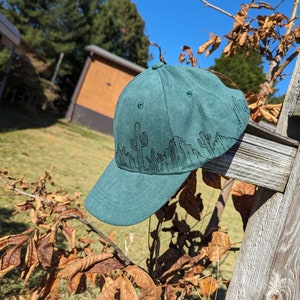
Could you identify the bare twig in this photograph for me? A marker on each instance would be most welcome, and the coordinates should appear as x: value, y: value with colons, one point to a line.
x: 218, y: 9
x: 219, y: 208
x: 274, y: 72
x: 21, y: 192
x: 120, y: 253
x: 293, y: 15
x: 161, y: 57
x: 287, y: 62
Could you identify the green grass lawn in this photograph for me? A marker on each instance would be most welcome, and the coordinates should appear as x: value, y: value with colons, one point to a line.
x: 29, y: 146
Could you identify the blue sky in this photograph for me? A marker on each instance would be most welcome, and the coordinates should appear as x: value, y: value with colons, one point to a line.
x: 175, y: 23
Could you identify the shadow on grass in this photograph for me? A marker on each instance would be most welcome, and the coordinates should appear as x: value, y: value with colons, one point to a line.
x: 11, y: 284
x: 21, y: 117
x: 7, y: 226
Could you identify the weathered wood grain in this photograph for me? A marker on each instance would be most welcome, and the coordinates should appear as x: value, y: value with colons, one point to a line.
x: 268, y: 262
x: 284, y: 281
x: 268, y: 265
x: 258, y: 160
x: 292, y: 98
x: 288, y: 124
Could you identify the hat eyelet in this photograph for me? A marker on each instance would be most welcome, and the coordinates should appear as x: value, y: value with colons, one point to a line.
x: 189, y: 93
x: 140, y: 105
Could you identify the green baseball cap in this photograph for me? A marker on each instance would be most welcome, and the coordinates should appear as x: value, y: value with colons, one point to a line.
x: 169, y: 121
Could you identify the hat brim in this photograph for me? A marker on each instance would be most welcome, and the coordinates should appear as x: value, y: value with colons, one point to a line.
x: 124, y: 198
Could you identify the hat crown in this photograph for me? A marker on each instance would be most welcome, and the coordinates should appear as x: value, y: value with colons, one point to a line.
x: 171, y: 120
x: 168, y: 122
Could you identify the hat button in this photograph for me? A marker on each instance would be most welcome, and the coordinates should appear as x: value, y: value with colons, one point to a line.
x: 157, y: 65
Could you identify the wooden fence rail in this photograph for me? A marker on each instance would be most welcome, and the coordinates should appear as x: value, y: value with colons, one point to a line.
x: 268, y: 264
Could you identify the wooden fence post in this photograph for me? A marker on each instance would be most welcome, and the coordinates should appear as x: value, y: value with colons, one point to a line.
x: 268, y: 264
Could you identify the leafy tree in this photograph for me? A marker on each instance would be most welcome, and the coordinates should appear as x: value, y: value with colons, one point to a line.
x: 51, y: 28
x: 118, y: 28
x: 245, y: 71
x: 63, y: 26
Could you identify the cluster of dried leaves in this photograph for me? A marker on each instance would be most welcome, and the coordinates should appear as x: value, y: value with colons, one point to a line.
x: 180, y: 268
x: 52, y: 247
x: 260, y: 34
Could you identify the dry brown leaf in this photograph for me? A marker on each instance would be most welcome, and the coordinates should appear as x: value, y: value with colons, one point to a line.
x: 25, y: 206
x: 77, y: 284
x: 242, y: 197
x: 181, y: 226
x: 211, y: 179
x: 45, y: 250
x: 194, y: 280
x: 271, y: 112
x: 143, y: 280
x: 214, y: 47
x: 6, y: 270
x: 105, y: 266
x: 112, y: 236
x: 110, y: 288
x: 70, y: 234
x: 66, y: 259
x: 265, y: 5
x: 11, y: 257
x: 243, y: 38
x: 218, y: 246
x: 13, y: 240
x: 243, y: 188
x: 188, y: 200
x: 34, y: 217
x: 230, y: 49
x: 201, y: 254
x: 191, y: 203
x: 127, y: 290
x: 82, y: 264
x: 170, y: 293
x: 183, y: 260
x: 214, y: 42
x: 240, y: 17
x: 208, y: 286
x: 70, y: 213
x: 166, y: 212
x: 296, y: 33
x: 194, y: 61
x: 31, y: 259
x: 92, y: 277
x: 168, y: 258
x: 188, y: 56
x: 181, y: 58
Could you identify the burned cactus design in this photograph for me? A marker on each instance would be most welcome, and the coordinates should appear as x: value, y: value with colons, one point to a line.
x: 140, y: 140
x: 177, y: 156
x: 205, y: 141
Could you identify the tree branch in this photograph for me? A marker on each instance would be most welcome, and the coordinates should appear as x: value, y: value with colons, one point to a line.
x: 218, y: 9
x: 287, y: 62
x: 21, y: 192
x: 120, y: 253
x: 219, y: 208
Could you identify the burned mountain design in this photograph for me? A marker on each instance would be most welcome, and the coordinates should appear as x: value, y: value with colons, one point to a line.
x: 178, y: 156
x: 237, y: 112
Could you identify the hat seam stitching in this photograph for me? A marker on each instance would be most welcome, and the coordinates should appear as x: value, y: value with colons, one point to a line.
x: 166, y: 104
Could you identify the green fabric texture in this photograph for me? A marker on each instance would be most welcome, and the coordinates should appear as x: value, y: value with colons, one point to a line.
x: 169, y: 121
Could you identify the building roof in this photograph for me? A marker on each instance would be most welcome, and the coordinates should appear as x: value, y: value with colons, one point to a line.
x: 114, y: 58
x: 9, y: 31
